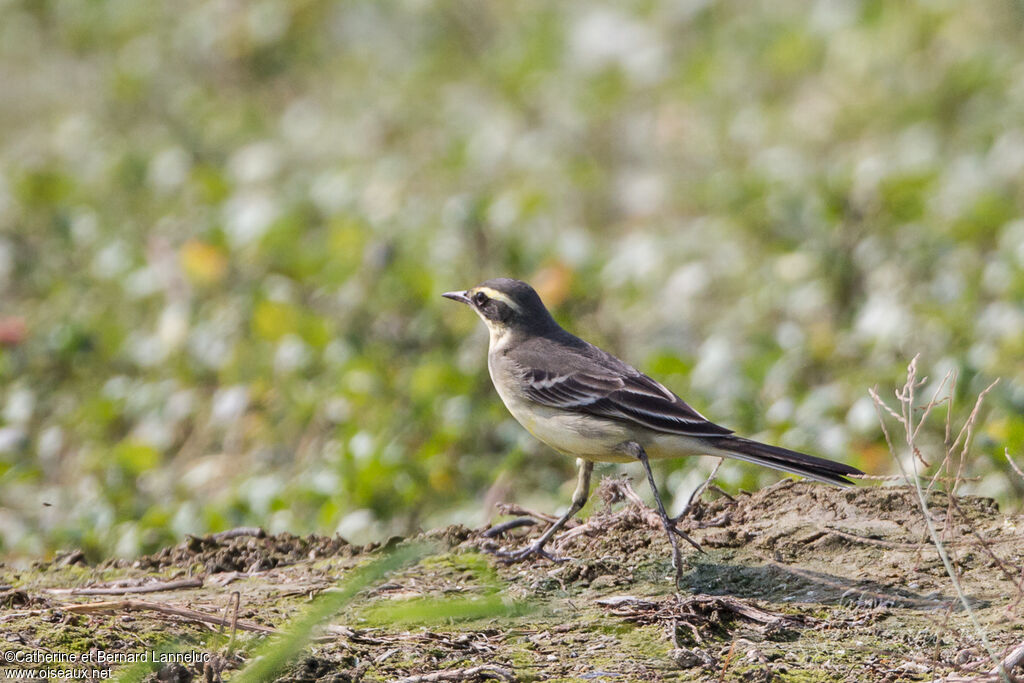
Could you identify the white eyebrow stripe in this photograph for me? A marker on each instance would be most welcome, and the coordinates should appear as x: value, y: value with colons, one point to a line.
x: 499, y: 296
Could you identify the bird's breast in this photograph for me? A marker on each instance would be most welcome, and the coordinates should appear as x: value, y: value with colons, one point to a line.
x: 569, y: 432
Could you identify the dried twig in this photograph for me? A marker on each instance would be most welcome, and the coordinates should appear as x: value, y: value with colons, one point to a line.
x: 236, y: 598
x: 1016, y: 469
x: 1010, y: 662
x: 484, y: 671
x: 517, y: 511
x: 124, y: 590
x: 905, y: 396
x: 699, y: 491
x: 182, y: 612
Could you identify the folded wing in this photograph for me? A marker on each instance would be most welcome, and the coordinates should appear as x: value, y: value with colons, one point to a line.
x: 633, y: 398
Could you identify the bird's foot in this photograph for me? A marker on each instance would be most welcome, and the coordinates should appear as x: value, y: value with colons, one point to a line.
x: 536, y: 548
x: 673, y: 526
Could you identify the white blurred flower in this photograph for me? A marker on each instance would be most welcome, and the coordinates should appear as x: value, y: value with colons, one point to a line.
x: 168, y: 169
x: 128, y: 541
x: 260, y: 491
x: 146, y: 350
x: 331, y: 192
x: 337, y: 409
x: 229, y: 404
x: 862, y: 417
x: 867, y: 174
x: 883, y: 318
x: 281, y: 521
x: 11, y: 439
x: 85, y: 227
x: 983, y: 354
x: 357, y: 525
x: 325, y: 480
x: 574, y: 245
x: 1002, y: 320
x: 208, y: 344
x: 337, y: 352
x: 819, y: 402
x: 688, y: 281
x: 180, y: 405
x: 361, y: 445
x: 51, y: 440
x: 142, y: 282
x: 503, y: 212
x: 292, y: 354
x: 1006, y: 157
x: 917, y: 148
x: 947, y: 284
x: 780, y: 411
x: 489, y: 143
x: 152, y: 429
x: 640, y: 192
x: 789, y: 335
x: 186, y: 519
x: 833, y: 440
x: 997, y: 277
x: 279, y: 288
x: 21, y: 403
x: 604, y: 37
x: 172, y: 328
x: 781, y: 163
x: 748, y: 126
x: 828, y: 16
x: 962, y: 182
x: 634, y: 258
x: 111, y: 261
x: 1011, y: 240
x: 247, y: 216
x: 116, y: 388
x: 380, y: 199
x: 302, y: 121
x: 255, y: 163
x: 794, y: 266
x: 716, y: 368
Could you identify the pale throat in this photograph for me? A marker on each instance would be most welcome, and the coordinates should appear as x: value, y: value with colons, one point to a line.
x: 500, y: 335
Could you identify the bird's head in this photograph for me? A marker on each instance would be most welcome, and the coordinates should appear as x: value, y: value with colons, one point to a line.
x: 506, y: 305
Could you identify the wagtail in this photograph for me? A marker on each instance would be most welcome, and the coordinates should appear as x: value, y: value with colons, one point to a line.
x: 586, y: 403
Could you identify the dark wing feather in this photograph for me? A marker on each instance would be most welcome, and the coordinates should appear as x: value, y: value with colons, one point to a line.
x: 634, y: 398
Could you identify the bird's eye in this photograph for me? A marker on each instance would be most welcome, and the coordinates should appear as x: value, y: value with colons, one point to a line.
x: 479, y: 298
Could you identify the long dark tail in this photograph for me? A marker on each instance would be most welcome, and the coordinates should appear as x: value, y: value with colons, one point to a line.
x: 794, y: 462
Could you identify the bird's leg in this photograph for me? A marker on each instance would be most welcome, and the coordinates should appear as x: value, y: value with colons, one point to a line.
x: 579, y: 499
x: 638, y: 452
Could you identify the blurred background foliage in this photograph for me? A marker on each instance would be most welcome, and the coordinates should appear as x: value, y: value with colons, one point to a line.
x: 225, y: 226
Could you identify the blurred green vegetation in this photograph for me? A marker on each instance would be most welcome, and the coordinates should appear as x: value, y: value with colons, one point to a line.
x: 224, y: 229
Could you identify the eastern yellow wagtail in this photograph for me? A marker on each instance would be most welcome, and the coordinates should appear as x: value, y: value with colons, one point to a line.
x: 587, y: 403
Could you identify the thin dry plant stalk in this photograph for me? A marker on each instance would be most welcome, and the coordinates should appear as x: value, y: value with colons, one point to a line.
x: 1016, y: 469
x: 906, y: 398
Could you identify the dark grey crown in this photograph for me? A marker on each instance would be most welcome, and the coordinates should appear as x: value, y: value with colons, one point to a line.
x: 531, y: 309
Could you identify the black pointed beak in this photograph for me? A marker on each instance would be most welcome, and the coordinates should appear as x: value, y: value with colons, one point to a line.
x: 456, y: 296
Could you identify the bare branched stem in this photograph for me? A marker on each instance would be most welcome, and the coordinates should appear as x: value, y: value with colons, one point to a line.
x: 905, y: 416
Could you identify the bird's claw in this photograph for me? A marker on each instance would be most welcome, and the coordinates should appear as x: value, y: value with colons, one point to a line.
x: 674, y: 526
x: 510, y: 556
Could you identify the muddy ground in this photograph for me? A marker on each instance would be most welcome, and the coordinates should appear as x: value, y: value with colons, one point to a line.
x: 799, y: 582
